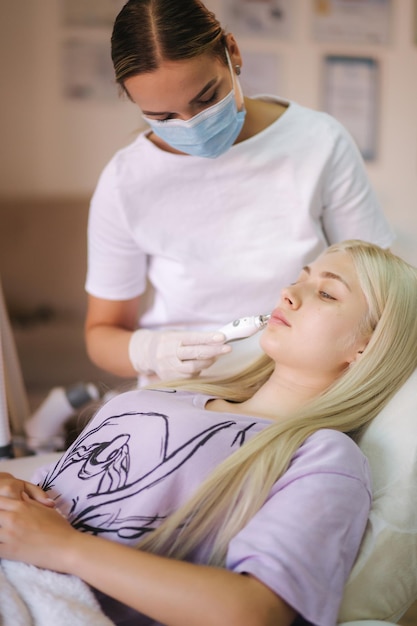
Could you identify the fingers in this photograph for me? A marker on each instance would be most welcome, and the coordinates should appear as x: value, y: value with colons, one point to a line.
x: 27, y: 527
x: 198, y: 351
x: 183, y: 369
x: 30, y: 514
x: 192, y: 359
x: 11, y: 487
x: 193, y: 339
x: 11, y: 529
x: 194, y: 366
x: 8, y: 485
x: 201, y: 352
x: 164, y: 352
x: 14, y: 488
x: 176, y: 354
x: 182, y: 355
x: 8, y: 504
x: 36, y: 493
x: 201, y: 347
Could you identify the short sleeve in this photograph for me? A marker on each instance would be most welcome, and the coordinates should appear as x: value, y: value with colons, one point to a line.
x: 116, y: 265
x: 302, y: 543
x: 350, y: 205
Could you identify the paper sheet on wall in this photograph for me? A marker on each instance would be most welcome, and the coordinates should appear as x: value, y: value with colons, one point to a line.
x: 90, y: 12
x: 87, y: 70
x: 351, y: 96
x: 355, y: 21
x: 259, y: 17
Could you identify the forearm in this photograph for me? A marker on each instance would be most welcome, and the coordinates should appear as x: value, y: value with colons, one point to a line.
x: 115, y: 344
x: 107, y: 347
x: 173, y: 592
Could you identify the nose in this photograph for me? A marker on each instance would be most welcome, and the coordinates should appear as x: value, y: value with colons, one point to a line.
x: 186, y: 115
x: 290, y: 297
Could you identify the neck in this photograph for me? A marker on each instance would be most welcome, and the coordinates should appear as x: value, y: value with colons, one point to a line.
x: 283, y: 394
x: 259, y: 115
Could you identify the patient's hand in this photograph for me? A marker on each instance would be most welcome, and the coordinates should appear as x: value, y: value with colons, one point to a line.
x: 14, y: 488
x: 31, y: 532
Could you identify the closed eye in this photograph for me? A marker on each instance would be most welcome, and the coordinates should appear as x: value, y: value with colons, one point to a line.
x: 204, y: 103
x: 168, y: 116
x: 326, y: 295
x: 212, y: 98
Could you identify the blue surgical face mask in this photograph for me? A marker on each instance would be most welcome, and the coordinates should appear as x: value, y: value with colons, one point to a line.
x: 208, y: 134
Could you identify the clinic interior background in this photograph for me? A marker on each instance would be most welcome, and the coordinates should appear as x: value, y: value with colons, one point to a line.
x: 57, y: 134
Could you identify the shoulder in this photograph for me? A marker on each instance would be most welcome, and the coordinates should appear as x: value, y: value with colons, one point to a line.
x: 332, y: 138
x: 297, y: 113
x: 304, y: 126
x: 331, y: 452
x: 303, y: 540
x: 323, y: 122
x: 125, y: 159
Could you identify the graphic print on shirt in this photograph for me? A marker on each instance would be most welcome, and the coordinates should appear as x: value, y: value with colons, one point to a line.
x: 104, y: 461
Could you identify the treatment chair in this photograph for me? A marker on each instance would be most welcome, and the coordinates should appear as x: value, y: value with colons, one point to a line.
x: 383, y: 582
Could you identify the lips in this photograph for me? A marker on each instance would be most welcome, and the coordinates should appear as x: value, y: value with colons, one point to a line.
x: 278, y: 318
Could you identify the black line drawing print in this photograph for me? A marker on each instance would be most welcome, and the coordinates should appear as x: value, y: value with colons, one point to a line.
x: 106, y: 465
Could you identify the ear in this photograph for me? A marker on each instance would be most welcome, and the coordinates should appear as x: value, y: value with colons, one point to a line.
x: 234, y: 52
x: 359, y: 349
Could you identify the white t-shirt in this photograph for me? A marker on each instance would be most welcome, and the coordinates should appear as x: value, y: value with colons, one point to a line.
x: 146, y: 452
x: 218, y: 238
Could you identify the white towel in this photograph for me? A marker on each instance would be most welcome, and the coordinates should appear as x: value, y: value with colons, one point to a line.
x: 30, y: 596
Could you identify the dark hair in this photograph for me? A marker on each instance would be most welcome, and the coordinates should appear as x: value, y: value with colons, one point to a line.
x: 147, y: 32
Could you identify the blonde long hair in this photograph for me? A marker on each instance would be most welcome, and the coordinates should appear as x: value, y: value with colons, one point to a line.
x: 238, y: 487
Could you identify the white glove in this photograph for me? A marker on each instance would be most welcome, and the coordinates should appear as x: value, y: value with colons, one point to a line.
x: 175, y: 354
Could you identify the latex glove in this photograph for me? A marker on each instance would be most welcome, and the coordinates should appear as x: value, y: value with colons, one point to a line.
x: 175, y: 354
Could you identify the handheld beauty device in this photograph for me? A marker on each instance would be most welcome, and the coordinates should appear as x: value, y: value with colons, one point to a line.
x: 244, y: 327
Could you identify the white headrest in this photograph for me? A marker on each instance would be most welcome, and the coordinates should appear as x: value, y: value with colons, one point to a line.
x: 383, y: 582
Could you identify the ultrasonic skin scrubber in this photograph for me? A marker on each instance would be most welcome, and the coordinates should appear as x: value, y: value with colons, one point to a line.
x: 244, y: 327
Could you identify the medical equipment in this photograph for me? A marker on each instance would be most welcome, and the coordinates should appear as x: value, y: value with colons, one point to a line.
x: 44, y: 429
x: 41, y: 431
x: 244, y: 327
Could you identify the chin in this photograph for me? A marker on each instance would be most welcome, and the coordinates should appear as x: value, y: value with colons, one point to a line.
x: 270, y: 345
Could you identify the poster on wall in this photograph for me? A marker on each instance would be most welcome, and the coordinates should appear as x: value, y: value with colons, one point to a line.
x: 90, y: 13
x: 87, y: 72
x: 352, y: 21
x: 267, y: 18
x: 350, y: 94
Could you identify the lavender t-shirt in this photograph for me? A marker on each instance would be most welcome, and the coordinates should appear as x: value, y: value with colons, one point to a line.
x: 146, y: 451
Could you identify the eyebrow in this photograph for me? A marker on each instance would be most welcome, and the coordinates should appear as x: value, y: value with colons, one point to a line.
x: 197, y: 97
x: 332, y: 275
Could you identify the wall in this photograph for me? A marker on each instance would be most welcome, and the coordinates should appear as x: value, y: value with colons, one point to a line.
x: 55, y: 146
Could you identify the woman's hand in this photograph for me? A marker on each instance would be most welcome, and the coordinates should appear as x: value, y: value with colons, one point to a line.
x: 151, y: 584
x: 14, y: 488
x: 33, y: 533
x: 175, y: 354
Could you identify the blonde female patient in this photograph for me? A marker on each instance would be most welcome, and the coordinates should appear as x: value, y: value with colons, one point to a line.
x: 241, y: 501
